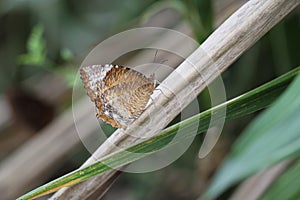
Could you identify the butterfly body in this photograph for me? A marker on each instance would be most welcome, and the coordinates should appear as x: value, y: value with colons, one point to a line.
x: 119, y: 93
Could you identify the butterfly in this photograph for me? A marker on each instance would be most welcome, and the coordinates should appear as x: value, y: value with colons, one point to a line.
x: 120, y: 94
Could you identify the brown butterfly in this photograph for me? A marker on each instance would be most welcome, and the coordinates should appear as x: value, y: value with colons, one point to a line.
x: 119, y: 93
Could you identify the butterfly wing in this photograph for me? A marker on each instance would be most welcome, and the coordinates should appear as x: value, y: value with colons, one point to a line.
x: 127, y: 101
x: 92, y: 78
x: 120, y: 94
x: 119, y: 75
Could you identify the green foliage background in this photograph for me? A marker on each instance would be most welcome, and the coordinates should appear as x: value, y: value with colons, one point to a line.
x: 44, y: 37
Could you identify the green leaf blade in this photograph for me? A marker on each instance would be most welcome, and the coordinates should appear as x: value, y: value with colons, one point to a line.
x: 273, y: 137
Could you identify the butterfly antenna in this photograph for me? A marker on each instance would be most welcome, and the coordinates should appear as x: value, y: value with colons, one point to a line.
x: 154, y: 61
x: 155, y: 55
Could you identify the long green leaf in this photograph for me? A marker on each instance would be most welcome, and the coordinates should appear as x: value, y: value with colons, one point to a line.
x: 273, y: 137
x: 238, y: 107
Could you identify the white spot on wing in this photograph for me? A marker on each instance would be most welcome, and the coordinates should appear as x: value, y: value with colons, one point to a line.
x: 95, y: 75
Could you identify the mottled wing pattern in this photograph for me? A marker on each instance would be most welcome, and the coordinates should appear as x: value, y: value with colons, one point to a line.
x: 120, y: 75
x: 92, y: 78
x: 127, y: 101
x: 120, y: 94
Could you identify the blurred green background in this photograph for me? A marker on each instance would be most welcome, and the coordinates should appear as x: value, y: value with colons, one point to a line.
x: 44, y: 42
